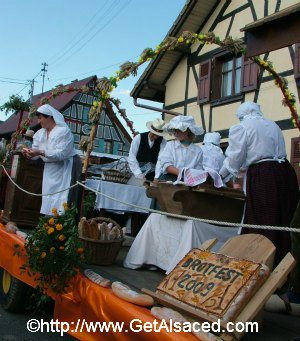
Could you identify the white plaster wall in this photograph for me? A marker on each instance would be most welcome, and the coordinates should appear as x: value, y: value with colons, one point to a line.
x: 175, y: 86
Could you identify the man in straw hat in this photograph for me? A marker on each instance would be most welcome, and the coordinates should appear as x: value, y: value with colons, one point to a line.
x: 145, y: 148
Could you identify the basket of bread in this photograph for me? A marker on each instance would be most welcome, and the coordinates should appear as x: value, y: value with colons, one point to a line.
x: 102, y: 239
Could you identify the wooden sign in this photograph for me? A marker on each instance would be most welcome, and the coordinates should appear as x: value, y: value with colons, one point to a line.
x: 213, y: 282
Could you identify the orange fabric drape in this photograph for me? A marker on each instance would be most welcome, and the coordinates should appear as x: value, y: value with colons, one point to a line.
x: 88, y: 302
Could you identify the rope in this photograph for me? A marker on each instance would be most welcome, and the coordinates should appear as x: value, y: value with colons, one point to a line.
x: 35, y: 194
x: 173, y: 215
x: 208, y: 221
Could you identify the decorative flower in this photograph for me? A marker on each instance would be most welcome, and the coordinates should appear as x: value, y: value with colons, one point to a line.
x: 80, y: 250
x: 59, y: 227
x: 51, y: 221
x: 56, y: 270
x: 61, y: 237
x: 50, y: 230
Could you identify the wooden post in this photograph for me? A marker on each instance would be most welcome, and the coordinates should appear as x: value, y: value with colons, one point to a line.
x: 88, y: 152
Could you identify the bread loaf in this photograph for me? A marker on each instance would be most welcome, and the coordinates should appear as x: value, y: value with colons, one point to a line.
x: 126, y: 293
x: 94, y: 232
x: 83, y: 227
x: 96, y: 278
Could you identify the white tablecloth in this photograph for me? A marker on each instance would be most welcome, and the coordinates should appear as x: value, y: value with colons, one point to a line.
x: 164, y: 241
x: 126, y: 193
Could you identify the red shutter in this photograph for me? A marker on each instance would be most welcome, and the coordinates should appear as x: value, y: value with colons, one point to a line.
x: 295, y: 156
x: 204, y: 82
x: 249, y: 75
x: 297, y: 61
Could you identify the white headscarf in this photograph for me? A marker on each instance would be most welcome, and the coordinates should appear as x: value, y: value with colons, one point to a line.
x: 248, y: 110
x: 183, y: 123
x: 46, y: 109
x: 213, y: 137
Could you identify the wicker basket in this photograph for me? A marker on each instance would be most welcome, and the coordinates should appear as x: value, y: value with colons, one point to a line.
x: 102, y: 252
x: 117, y: 175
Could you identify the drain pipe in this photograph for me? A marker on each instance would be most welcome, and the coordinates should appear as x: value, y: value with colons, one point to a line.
x: 163, y: 111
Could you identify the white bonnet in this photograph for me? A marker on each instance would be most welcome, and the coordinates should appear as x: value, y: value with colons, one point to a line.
x: 183, y: 123
x: 248, y: 109
x: 213, y: 137
x: 46, y: 109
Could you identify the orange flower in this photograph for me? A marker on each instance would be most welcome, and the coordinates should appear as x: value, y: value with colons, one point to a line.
x: 61, y: 237
x: 43, y: 254
x: 51, y: 221
x: 54, y: 211
x: 61, y: 248
x: 59, y: 227
x: 50, y: 230
x: 52, y: 249
x: 80, y: 250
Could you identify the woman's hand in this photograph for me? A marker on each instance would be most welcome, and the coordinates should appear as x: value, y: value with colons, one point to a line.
x: 30, y: 153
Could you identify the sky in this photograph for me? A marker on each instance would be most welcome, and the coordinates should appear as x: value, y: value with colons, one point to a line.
x: 78, y: 39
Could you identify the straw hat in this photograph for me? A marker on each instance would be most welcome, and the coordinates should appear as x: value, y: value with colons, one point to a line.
x: 29, y: 133
x: 156, y: 127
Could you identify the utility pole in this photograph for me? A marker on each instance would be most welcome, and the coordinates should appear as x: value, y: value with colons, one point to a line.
x: 31, y: 89
x: 44, y: 70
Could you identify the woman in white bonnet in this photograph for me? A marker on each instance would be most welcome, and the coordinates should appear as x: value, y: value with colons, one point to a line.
x: 213, y: 155
x: 271, y: 189
x: 182, y: 152
x: 54, y: 144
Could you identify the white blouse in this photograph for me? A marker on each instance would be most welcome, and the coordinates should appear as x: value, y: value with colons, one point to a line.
x: 180, y: 156
x: 251, y: 141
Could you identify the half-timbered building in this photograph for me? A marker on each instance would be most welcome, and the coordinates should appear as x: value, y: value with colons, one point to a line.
x: 111, y: 136
x: 210, y: 82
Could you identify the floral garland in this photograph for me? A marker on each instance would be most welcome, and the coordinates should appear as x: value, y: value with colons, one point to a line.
x: 106, y: 85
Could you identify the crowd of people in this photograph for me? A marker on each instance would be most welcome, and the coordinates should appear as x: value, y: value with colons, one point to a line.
x: 256, y: 152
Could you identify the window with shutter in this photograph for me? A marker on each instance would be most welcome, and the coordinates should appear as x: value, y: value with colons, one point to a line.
x: 295, y: 156
x: 204, y: 82
x: 249, y: 75
x: 297, y: 61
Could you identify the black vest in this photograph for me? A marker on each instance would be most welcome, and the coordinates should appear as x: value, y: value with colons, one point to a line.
x: 146, y: 154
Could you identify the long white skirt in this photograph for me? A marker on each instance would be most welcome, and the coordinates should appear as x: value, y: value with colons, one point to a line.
x: 164, y: 241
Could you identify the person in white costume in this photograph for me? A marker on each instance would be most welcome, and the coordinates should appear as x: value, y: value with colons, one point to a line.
x: 213, y: 156
x: 182, y: 152
x: 54, y: 144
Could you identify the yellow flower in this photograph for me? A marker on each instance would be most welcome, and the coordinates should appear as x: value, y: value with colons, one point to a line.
x: 180, y: 39
x: 43, y: 254
x: 95, y: 104
x: 51, y: 221
x: 61, y: 237
x: 65, y: 206
x: 80, y: 250
x: 59, y: 227
x: 54, y: 211
x: 52, y: 249
x: 50, y: 230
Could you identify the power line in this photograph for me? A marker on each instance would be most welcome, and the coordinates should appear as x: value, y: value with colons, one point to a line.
x: 113, y: 16
x: 84, y: 35
x: 11, y: 82
x: 76, y: 36
x: 14, y: 79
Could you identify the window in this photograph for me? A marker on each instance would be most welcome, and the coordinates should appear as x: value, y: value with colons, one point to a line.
x: 231, y: 77
x: 226, y: 76
x: 108, y: 147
